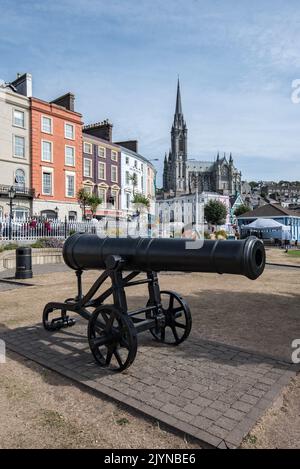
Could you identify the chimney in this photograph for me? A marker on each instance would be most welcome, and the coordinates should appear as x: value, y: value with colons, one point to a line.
x: 23, y: 84
x: 67, y: 101
x: 100, y: 129
x: 129, y: 144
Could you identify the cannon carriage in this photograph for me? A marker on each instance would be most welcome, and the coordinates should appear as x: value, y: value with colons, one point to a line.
x: 112, y: 329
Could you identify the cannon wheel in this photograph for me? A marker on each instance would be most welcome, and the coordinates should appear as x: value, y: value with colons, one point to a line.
x: 112, y: 338
x: 59, y: 322
x: 178, y: 319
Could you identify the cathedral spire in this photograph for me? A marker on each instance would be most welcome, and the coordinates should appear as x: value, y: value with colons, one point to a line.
x: 178, y: 109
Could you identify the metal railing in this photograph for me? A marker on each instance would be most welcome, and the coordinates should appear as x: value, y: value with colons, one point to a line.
x: 19, y: 189
x: 32, y: 229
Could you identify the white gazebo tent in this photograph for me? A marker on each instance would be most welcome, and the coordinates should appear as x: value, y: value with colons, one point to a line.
x: 268, y: 225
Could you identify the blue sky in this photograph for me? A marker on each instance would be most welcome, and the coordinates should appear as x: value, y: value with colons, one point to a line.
x: 236, y: 60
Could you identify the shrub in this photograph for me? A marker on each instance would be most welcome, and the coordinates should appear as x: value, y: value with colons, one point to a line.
x: 48, y: 243
x: 221, y: 234
x: 10, y: 246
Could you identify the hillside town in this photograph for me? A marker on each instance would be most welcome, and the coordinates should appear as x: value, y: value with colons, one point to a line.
x: 56, y: 169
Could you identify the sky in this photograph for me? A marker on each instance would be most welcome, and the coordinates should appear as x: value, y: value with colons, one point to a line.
x: 237, y: 61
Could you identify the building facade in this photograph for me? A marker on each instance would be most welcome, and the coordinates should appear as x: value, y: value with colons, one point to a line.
x: 102, y: 169
x: 56, y: 152
x: 290, y: 218
x: 15, y: 136
x: 182, y: 175
x: 137, y: 177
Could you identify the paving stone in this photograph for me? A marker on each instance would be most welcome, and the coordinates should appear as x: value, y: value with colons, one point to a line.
x: 234, y: 414
x: 210, y: 413
x: 210, y: 391
x: 192, y: 409
x: 226, y: 423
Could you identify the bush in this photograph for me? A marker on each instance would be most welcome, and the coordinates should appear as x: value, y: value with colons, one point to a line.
x: 206, y: 235
x: 48, y: 243
x: 221, y: 234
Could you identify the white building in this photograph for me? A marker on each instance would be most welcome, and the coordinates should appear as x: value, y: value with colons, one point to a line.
x: 137, y: 177
x: 15, y: 146
x: 187, y: 211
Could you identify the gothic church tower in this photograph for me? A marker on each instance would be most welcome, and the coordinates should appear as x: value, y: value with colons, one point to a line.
x: 175, y: 167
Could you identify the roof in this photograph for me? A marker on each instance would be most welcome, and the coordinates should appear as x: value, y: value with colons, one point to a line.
x: 137, y: 155
x: 270, y: 210
x: 266, y: 223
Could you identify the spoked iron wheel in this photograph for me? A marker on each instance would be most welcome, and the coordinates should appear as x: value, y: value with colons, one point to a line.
x: 58, y: 322
x: 178, y: 319
x: 112, y: 338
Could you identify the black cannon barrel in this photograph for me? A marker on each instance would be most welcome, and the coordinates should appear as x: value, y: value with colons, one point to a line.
x: 83, y: 251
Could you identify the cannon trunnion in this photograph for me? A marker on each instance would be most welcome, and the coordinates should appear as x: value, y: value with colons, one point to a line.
x: 112, y: 329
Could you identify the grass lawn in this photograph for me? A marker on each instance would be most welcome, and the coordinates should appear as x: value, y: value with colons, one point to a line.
x: 294, y: 253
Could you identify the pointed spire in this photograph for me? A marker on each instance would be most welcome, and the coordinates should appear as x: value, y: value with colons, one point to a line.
x: 218, y: 156
x: 178, y: 109
x: 230, y: 158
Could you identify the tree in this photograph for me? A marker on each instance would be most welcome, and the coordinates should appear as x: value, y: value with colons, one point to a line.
x: 215, y: 212
x: 134, y: 179
x: 93, y: 201
x: 141, y: 202
x: 83, y: 196
x: 253, y: 184
x: 241, y: 209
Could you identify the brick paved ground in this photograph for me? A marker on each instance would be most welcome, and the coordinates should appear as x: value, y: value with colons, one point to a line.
x: 211, y: 391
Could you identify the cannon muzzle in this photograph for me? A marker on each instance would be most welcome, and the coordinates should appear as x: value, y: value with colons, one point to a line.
x: 83, y: 251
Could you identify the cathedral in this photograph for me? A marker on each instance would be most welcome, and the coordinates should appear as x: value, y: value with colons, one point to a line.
x: 186, y: 176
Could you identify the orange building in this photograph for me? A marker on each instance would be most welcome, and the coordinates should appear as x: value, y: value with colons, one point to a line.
x: 56, y: 151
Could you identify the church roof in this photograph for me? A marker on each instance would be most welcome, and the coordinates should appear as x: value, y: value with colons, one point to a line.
x: 199, y: 165
x: 178, y: 109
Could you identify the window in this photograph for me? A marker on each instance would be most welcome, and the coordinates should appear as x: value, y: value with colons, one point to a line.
x: 87, y: 168
x: 101, y: 170
x: 20, y: 213
x: 114, y: 195
x: 127, y: 160
x: 19, y: 118
x: 72, y: 215
x: 114, y: 155
x: 46, y: 151
x: 127, y: 178
x: 87, y: 148
x: 69, y: 131
x: 88, y: 189
x: 135, y: 164
x: 69, y: 156
x: 101, y: 152
x: 47, y: 183
x: 102, y: 195
x: 20, y: 178
x: 46, y: 125
x: 70, y: 185
x: 142, y: 166
x: 127, y: 200
x: 19, y: 146
x: 114, y: 173
x: 142, y: 183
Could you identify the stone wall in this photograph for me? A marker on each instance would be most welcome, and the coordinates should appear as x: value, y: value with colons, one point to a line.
x: 39, y: 256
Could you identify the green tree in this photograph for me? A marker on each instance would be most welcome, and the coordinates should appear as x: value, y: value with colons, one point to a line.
x: 83, y: 196
x: 241, y: 209
x: 93, y: 201
x: 134, y: 179
x: 253, y: 184
x: 141, y: 201
x: 215, y: 212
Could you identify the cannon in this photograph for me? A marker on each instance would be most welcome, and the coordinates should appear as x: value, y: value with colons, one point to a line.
x: 112, y: 329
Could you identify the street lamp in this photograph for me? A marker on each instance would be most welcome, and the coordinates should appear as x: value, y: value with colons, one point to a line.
x: 56, y: 212
x: 11, y: 196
